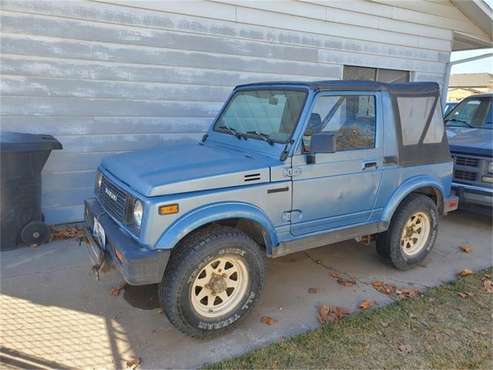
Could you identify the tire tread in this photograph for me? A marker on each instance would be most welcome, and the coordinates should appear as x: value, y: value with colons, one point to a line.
x: 172, y: 281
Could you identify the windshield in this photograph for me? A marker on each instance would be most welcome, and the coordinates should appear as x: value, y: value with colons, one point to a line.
x: 263, y: 114
x: 472, y: 112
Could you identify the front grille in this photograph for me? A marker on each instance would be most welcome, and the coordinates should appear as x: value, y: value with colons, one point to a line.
x: 464, y: 175
x: 114, y: 200
x: 467, y: 161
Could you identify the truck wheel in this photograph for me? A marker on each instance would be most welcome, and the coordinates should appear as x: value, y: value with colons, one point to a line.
x: 412, y: 232
x: 212, y: 281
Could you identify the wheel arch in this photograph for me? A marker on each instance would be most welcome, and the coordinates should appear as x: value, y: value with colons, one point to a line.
x: 418, y: 185
x: 244, y: 216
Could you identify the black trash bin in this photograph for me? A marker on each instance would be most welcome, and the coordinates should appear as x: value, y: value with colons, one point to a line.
x: 22, y: 158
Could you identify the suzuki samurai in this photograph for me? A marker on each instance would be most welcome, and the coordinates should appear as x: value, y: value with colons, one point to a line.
x: 284, y: 167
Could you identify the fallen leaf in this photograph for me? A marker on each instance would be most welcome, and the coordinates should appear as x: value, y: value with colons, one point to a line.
x: 313, y: 290
x: 267, y: 320
x: 384, y: 288
x: 466, y: 248
x: 115, y: 292
x: 329, y: 313
x: 464, y: 273
x: 407, y: 292
x: 133, y: 362
x: 487, y: 285
x: 405, y: 348
x: 366, y: 304
x: 465, y: 294
x: 66, y: 232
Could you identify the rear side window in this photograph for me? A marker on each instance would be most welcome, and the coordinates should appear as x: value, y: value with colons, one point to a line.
x: 414, y: 114
x: 351, y: 118
x: 436, y: 129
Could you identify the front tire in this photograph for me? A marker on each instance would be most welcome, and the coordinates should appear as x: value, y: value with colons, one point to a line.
x: 412, y: 232
x: 212, y: 281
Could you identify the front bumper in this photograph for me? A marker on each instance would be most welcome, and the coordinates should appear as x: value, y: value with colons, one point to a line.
x: 138, y: 265
x: 474, y: 195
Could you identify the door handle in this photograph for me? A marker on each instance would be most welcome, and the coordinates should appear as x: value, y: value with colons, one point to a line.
x: 367, y: 165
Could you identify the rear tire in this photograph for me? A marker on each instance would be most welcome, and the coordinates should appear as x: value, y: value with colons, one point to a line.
x: 412, y: 232
x: 212, y: 281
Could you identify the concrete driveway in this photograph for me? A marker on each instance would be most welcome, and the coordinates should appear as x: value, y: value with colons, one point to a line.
x: 55, y: 314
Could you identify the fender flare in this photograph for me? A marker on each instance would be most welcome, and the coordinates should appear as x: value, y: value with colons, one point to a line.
x: 216, y: 212
x: 406, y: 188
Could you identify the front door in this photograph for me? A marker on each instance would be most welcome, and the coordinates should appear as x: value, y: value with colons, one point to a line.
x: 338, y: 189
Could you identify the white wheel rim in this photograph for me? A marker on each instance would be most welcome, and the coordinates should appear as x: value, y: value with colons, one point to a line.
x: 219, y: 287
x: 415, y: 233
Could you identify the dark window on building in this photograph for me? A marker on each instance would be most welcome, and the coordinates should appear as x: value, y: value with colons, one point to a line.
x: 375, y: 74
x: 351, y: 118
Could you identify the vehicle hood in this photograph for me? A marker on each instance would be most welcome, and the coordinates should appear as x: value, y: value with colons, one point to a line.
x: 474, y: 141
x: 186, y: 167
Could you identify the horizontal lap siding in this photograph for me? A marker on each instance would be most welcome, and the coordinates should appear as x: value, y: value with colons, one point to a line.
x: 112, y: 77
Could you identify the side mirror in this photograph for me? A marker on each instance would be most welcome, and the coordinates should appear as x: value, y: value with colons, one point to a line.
x: 323, y: 142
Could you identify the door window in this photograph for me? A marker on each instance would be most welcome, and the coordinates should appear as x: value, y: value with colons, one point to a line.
x: 351, y: 118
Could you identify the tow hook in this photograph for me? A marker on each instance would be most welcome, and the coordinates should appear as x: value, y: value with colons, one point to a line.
x: 99, y: 260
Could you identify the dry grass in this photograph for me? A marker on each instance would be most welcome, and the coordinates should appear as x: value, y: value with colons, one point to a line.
x: 437, y: 330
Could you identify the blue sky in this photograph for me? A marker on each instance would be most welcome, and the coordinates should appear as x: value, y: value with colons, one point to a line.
x: 482, y: 65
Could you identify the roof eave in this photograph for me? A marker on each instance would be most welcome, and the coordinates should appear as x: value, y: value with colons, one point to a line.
x: 480, y: 13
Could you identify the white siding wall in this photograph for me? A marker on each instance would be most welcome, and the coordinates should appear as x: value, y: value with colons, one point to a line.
x: 114, y: 76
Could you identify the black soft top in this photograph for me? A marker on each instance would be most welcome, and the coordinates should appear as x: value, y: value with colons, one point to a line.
x: 398, y: 89
x: 415, y: 110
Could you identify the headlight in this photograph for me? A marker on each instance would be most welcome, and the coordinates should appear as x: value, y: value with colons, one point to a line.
x: 138, y: 212
x: 99, y: 180
x: 490, y: 168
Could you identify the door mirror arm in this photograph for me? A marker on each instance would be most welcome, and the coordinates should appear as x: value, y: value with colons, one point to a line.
x: 310, y: 158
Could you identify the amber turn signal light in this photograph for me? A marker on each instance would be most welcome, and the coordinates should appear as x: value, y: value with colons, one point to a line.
x: 169, y: 209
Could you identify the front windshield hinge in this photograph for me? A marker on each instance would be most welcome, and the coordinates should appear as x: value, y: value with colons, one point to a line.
x: 285, y: 152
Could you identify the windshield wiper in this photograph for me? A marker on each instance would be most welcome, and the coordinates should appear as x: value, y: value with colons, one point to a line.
x: 262, y: 136
x: 233, y: 131
x: 460, y: 121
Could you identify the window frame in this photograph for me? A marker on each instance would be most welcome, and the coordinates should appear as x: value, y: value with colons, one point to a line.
x: 376, y: 73
x: 376, y: 97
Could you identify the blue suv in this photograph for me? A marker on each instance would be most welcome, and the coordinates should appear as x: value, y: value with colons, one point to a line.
x: 470, y: 133
x: 284, y: 167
